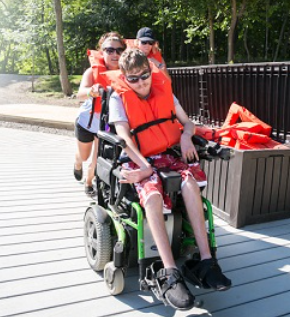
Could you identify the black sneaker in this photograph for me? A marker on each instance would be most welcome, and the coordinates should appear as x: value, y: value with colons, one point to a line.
x: 175, y: 290
x: 90, y: 191
x: 78, y: 174
x: 206, y: 273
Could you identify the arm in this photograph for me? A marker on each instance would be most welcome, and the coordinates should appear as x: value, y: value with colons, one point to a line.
x: 132, y: 151
x: 187, y: 148
x: 87, y: 88
x: 161, y: 66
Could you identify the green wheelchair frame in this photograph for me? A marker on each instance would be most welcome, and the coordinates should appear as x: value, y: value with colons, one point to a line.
x: 109, y: 230
x: 114, y: 236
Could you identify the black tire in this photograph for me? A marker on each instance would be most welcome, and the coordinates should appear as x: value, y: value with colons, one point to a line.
x: 97, y: 238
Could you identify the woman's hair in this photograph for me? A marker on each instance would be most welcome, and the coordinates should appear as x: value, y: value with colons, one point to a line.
x: 110, y: 36
x: 133, y: 59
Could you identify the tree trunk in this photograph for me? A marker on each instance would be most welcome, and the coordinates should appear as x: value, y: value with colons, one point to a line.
x: 234, y: 20
x: 267, y: 31
x: 65, y: 85
x: 49, y: 61
x: 6, y: 58
x: 232, y: 32
x: 211, y: 57
x: 280, y: 38
x: 246, y: 44
x: 182, y: 39
x: 173, y: 39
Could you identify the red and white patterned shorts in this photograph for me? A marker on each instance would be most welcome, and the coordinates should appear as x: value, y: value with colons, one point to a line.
x: 153, y: 184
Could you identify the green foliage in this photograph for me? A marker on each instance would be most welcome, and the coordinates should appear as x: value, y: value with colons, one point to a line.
x: 48, y: 85
x: 28, y: 36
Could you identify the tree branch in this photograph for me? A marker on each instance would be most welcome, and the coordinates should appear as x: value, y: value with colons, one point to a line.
x: 3, y: 4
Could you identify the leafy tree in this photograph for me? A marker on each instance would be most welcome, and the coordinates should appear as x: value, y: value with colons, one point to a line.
x: 66, y: 87
x: 190, y: 32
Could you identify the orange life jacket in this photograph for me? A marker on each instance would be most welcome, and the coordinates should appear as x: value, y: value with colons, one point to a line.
x: 238, y: 112
x: 251, y: 133
x: 98, y: 66
x: 155, y: 136
x: 157, y: 55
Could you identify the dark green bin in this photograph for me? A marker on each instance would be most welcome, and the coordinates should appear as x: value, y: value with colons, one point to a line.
x: 253, y: 187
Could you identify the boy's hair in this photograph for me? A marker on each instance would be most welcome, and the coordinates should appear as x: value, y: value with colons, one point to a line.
x: 133, y: 59
x: 111, y: 36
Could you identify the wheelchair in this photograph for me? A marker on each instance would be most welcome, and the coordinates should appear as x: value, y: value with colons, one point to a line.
x: 116, y: 232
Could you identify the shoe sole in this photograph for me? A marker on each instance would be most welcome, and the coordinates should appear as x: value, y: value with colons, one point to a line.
x: 223, y: 288
x: 185, y: 308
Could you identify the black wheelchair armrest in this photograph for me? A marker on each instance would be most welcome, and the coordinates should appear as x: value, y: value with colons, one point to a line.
x: 171, y: 180
x: 199, y: 140
x: 112, y: 138
x: 209, y: 150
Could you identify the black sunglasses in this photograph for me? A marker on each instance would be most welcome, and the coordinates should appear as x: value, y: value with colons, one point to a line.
x: 111, y: 50
x: 147, y: 42
x: 134, y: 79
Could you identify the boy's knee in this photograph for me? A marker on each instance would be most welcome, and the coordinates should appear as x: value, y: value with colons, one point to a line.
x: 191, y: 184
x: 153, y: 200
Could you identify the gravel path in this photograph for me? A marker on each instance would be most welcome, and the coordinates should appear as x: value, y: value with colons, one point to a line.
x: 16, y: 89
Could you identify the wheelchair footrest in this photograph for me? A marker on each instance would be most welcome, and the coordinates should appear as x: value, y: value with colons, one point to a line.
x: 152, y: 283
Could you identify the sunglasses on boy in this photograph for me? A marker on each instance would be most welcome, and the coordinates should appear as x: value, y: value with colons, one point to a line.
x: 147, y: 42
x: 111, y: 50
x: 133, y: 79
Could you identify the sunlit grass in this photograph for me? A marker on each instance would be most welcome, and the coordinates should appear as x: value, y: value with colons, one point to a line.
x: 50, y: 86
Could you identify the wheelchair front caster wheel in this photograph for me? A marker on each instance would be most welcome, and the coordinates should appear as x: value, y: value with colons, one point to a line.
x: 114, y: 278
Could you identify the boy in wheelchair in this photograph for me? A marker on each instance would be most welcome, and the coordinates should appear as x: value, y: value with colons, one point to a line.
x: 145, y: 113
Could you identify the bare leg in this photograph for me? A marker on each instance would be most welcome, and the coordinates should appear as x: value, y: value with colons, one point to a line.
x: 154, y: 214
x: 93, y: 164
x: 194, y: 207
x: 83, y: 153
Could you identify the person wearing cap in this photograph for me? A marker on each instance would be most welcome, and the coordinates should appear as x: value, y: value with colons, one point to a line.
x: 147, y: 43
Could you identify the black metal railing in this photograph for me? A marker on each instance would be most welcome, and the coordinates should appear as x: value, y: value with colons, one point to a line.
x: 206, y: 92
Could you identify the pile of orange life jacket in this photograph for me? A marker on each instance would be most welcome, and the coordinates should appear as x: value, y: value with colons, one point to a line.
x: 249, y: 133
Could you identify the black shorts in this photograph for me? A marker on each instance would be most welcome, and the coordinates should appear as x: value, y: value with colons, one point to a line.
x: 84, y: 135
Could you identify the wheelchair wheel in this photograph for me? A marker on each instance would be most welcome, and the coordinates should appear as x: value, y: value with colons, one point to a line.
x: 114, y: 278
x: 97, y: 241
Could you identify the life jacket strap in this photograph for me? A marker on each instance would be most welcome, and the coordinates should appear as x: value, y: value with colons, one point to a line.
x: 92, y: 114
x: 149, y: 124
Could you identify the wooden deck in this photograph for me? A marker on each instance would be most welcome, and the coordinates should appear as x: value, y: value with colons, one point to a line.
x: 43, y: 269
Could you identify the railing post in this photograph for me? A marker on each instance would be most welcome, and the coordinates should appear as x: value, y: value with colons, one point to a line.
x: 204, y: 115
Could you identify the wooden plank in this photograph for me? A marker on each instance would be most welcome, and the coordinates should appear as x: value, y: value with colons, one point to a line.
x: 42, y: 213
x: 47, y: 227
x: 40, y: 220
x: 42, y: 257
x: 60, y: 206
x: 43, y: 267
x: 41, y: 246
x: 40, y: 269
x: 40, y: 236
